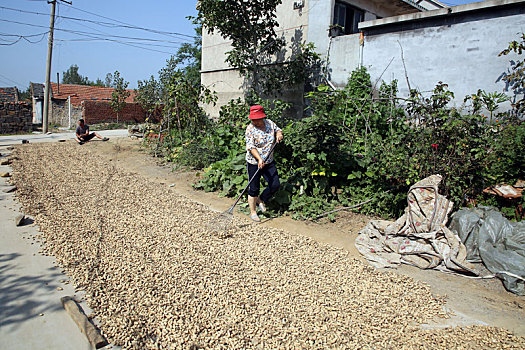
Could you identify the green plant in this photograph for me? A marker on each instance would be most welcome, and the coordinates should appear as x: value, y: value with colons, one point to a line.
x: 489, y: 101
x: 516, y: 78
x: 358, y: 144
x: 148, y: 95
x: 250, y: 26
x: 227, y: 175
x: 119, y: 94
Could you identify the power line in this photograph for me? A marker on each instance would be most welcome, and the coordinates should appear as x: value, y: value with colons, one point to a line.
x: 128, y: 24
x: 11, y: 80
x: 24, y: 37
x: 27, y: 36
x: 106, y: 24
x: 78, y: 32
x: 135, y: 44
x: 119, y: 41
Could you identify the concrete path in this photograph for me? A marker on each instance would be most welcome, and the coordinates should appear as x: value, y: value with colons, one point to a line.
x: 31, y: 284
x: 16, y: 139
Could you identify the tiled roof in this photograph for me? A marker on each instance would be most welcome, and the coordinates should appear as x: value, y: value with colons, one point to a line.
x: 37, y: 90
x: 80, y: 93
x: 9, y: 94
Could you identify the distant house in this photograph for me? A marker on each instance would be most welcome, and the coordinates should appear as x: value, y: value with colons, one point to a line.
x: 418, y: 43
x: 37, y: 97
x: 9, y: 94
x: 70, y: 102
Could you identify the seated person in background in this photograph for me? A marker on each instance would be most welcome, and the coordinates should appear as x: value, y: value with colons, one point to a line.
x: 83, y: 135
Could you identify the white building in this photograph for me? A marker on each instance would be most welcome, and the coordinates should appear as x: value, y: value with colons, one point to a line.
x: 458, y: 45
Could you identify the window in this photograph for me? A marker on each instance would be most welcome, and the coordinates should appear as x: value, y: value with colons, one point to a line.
x: 347, y: 17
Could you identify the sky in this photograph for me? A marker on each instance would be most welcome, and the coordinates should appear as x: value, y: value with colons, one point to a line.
x: 94, y: 35
x: 23, y: 61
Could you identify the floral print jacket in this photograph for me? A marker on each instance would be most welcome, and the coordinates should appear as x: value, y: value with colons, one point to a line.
x: 262, y: 140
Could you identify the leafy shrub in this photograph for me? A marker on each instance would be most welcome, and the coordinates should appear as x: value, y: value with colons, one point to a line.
x: 359, y: 143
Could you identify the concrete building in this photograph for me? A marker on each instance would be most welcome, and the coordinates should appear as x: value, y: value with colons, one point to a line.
x: 457, y: 45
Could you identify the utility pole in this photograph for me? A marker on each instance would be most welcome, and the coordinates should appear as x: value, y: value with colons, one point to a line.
x: 48, y: 69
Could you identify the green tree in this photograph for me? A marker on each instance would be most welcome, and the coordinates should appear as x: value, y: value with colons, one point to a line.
x: 98, y: 82
x: 25, y: 95
x: 181, y: 97
x: 189, y: 56
x: 250, y: 25
x: 71, y: 76
x: 516, y: 78
x: 119, y: 95
x: 108, y: 81
x: 148, y: 94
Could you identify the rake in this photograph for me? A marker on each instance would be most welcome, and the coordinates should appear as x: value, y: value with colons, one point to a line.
x: 223, y: 221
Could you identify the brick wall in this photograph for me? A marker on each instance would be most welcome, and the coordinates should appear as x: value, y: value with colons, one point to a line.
x: 101, y: 112
x: 15, y: 117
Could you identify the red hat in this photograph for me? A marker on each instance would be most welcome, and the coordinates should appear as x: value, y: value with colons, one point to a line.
x: 257, y: 112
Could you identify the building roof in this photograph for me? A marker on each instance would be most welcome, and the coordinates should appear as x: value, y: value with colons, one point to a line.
x: 425, y: 5
x: 37, y: 90
x: 450, y: 11
x: 401, y: 7
x: 81, y: 93
x: 9, y: 94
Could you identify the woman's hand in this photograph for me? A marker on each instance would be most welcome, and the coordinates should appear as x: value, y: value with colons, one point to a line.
x: 260, y: 163
x: 279, y: 136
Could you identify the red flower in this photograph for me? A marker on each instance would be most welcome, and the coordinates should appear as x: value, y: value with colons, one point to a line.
x: 434, y: 146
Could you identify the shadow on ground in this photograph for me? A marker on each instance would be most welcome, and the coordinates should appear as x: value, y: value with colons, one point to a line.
x: 23, y: 297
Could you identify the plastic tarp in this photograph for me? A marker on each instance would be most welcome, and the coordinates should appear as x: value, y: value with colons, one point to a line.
x: 498, y: 243
x: 419, y: 237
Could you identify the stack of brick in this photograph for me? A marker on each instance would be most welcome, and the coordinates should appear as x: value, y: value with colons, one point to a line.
x: 15, y: 118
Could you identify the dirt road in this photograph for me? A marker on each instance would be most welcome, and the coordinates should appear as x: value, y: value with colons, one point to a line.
x: 157, y: 277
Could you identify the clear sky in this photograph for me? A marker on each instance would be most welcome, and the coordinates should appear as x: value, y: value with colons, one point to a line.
x: 24, y: 62
x: 97, y: 45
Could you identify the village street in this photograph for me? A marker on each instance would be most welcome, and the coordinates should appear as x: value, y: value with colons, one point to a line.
x: 7, y: 140
x: 134, y: 236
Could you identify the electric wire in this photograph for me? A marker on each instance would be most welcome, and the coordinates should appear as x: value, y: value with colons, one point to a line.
x: 120, y: 41
x: 88, y: 33
x: 11, y: 80
x: 136, y: 43
x: 106, y: 24
x: 131, y: 25
x: 24, y: 37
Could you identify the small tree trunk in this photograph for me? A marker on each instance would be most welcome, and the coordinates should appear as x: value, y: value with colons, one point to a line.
x: 178, y: 120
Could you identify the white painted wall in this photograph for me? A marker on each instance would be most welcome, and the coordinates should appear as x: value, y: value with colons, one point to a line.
x: 218, y: 76
x: 344, y: 58
x: 461, y: 50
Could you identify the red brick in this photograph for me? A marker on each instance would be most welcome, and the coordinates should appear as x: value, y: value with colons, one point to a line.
x: 101, y: 112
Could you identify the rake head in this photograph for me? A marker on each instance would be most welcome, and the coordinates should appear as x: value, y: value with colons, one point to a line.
x: 221, y: 224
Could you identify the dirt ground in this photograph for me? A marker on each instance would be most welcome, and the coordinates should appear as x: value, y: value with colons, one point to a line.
x: 473, y: 301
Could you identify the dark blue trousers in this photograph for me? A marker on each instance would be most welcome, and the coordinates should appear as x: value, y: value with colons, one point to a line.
x: 269, y: 173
